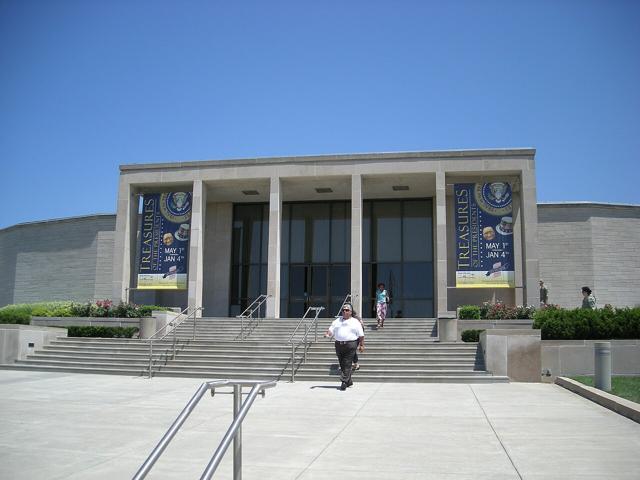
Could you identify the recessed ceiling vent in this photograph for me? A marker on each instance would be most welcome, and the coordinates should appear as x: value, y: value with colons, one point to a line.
x: 399, y: 188
x: 324, y: 190
x: 250, y: 192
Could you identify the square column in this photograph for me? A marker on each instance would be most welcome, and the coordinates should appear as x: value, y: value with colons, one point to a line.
x: 275, y: 232
x: 125, y: 241
x: 196, y: 245
x: 529, y: 224
x: 356, y: 242
x: 441, y: 244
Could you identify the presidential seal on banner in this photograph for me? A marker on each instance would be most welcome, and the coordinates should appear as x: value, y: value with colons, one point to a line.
x: 494, y: 198
x: 176, y: 206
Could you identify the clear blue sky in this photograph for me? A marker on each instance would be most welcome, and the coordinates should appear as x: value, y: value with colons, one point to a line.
x: 87, y: 85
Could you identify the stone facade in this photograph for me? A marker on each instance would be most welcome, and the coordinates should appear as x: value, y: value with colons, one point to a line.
x: 590, y: 244
x: 69, y: 259
x: 579, y: 244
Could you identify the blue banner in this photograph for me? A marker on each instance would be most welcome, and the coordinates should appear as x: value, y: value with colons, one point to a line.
x: 164, y: 241
x: 484, y: 235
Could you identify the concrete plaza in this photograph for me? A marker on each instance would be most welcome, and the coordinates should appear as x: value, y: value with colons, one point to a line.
x: 69, y: 426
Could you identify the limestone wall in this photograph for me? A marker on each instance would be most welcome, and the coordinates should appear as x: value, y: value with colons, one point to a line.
x: 590, y: 244
x: 69, y: 259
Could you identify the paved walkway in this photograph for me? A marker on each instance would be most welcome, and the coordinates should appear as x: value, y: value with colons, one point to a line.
x: 65, y: 426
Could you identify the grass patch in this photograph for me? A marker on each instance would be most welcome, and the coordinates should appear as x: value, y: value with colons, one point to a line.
x: 625, y: 387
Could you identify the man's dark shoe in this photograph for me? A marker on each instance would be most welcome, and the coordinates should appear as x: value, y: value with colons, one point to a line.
x: 349, y: 383
x: 343, y: 386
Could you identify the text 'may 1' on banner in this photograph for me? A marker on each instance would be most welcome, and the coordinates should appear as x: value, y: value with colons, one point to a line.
x: 484, y: 235
x: 164, y: 241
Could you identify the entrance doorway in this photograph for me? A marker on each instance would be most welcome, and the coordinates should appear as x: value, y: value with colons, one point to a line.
x: 316, y: 256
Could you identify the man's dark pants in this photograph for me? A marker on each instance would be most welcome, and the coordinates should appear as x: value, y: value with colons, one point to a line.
x: 345, y: 352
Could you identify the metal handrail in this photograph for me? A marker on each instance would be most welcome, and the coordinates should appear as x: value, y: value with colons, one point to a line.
x: 234, y: 432
x: 173, y: 323
x: 347, y: 299
x: 313, y: 323
x: 248, y: 313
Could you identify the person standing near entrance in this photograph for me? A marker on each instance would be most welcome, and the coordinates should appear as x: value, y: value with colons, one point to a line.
x: 382, y: 299
x: 349, y: 337
x: 544, y: 294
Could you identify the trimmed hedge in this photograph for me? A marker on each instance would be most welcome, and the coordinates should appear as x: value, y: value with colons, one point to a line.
x: 469, y: 312
x: 22, y: 313
x: 495, y: 311
x: 583, y: 324
x: 471, y: 335
x: 14, y: 316
x: 102, y: 332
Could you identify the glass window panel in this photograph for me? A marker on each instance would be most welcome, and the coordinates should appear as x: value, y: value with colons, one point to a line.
x: 263, y: 279
x: 253, y: 227
x: 235, y: 283
x: 340, y: 232
x: 391, y: 275
x: 418, y: 308
x: 284, y: 234
x: 234, y: 310
x: 366, y: 231
x: 284, y: 280
x: 319, y: 302
x: 284, y: 304
x: 318, y: 281
x: 298, y: 280
x: 251, y: 275
x: 237, y: 242
x: 264, y: 257
x: 296, y: 309
x: 340, y: 281
x: 387, y: 231
x: 367, y: 302
x: 418, y: 280
x: 417, y: 236
x: 320, y: 238
x: 298, y: 229
x: 395, y: 308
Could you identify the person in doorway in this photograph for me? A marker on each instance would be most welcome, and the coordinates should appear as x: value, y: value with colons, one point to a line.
x: 544, y: 294
x: 349, y: 337
x: 382, y: 300
x: 588, y: 299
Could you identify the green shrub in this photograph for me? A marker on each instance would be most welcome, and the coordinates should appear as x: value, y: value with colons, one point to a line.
x: 584, y: 324
x: 11, y: 315
x: 102, y: 332
x: 469, y: 312
x: 100, y: 308
x: 471, y: 335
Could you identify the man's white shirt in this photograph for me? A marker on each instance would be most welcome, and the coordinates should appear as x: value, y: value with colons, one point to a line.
x: 346, y: 330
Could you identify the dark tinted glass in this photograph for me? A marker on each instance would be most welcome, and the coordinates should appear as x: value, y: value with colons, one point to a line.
x: 298, y: 281
x: 418, y: 280
x: 417, y: 236
x: 340, y: 232
x: 366, y: 232
x: 417, y: 308
x: 340, y: 281
x: 284, y: 234
x: 319, y: 281
x: 391, y: 275
x: 386, y: 224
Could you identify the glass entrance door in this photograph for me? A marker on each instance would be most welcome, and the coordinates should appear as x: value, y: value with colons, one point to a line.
x: 315, y: 270
x: 317, y: 286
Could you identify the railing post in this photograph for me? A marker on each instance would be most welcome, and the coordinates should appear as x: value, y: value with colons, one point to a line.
x: 173, y: 355
x: 293, y: 375
x: 150, y: 356
x: 194, y: 325
x: 237, y: 440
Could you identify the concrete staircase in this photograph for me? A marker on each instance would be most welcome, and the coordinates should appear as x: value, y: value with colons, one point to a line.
x: 406, y: 350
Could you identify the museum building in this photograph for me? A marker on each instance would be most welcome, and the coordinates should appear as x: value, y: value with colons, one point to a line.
x: 439, y: 229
